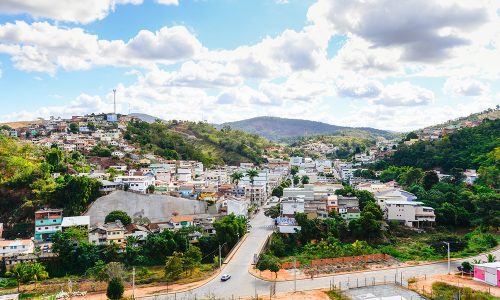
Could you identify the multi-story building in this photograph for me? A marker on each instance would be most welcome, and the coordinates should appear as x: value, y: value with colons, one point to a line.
x: 47, y: 222
x: 16, y: 247
x: 410, y: 213
x: 109, y: 233
x: 307, y: 192
x: 136, y: 183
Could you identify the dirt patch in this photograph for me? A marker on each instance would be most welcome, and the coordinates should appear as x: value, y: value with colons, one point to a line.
x: 425, y: 284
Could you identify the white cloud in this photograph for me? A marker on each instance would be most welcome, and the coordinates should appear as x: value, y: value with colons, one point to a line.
x: 404, y: 94
x: 353, y: 86
x: 44, y: 47
x: 75, y: 11
x: 83, y: 104
x: 424, y: 31
x: 465, y: 87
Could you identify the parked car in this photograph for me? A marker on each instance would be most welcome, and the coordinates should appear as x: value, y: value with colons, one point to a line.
x: 225, y: 277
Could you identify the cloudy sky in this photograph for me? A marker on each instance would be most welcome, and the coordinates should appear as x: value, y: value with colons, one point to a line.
x: 389, y: 64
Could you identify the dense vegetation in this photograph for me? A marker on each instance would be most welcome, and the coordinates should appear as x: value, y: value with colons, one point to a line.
x: 197, y: 141
x: 76, y: 255
x: 26, y: 184
x: 468, y: 148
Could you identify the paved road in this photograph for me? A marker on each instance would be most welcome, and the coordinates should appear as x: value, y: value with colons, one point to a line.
x: 242, y: 284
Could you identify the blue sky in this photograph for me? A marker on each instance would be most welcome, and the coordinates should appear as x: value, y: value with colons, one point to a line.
x: 339, y: 61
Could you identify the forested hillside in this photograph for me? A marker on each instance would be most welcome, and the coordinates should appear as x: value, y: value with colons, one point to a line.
x: 26, y: 184
x: 197, y: 141
x: 456, y: 203
x: 468, y: 148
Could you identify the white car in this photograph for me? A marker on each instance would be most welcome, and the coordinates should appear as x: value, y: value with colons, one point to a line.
x: 225, y: 277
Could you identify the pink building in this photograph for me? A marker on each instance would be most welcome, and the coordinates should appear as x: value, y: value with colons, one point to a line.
x: 488, y: 273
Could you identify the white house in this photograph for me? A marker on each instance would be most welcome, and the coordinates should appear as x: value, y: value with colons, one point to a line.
x: 118, y: 154
x: 16, y: 247
x: 109, y: 233
x: 136, y: 183
x: 290, y: 206
x: 488, y: 273
x: 78, y: 221
x: 410, y: 213
x: 393, y: 195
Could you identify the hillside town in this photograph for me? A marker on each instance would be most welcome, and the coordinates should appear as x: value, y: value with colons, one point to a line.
x: 222, y: 190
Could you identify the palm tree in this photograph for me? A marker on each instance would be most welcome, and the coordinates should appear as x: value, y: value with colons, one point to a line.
x: 252, y: 173
x: 491, y: 258
x: 236, y: 177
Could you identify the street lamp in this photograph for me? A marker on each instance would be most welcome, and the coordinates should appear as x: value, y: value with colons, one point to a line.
x: 448, y: 244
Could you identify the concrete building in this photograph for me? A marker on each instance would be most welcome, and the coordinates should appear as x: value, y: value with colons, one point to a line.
x: 78, y: 222
x: 488, y: 273
x: 136, y: 183
x: 16, y: 247
x: 307, y: 192
x: 409, y: 213
x: 237, y: 207
x: 109, y: 233
x: 179, y: 222
x: 47, y: 222
x: 291, y: 205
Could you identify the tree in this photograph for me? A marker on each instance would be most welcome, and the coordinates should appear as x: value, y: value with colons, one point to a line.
x: 236, y: 177
x: 73, y: 127
x: 252, y: 173
x: 294, y: 170
x: 115, y: 289
x: 173, y: 266
x: 277, y: 191
x: 411, y: 136
x: 150, y: 189
x: 118, y: 215
x: 305, y: 179
x: 269, y: 262
x: 467, y: 266
x: 27, y: 272
x: 192, y: 258
x: 273, y: 211
x: 430, y: 179
x: 296, y: 180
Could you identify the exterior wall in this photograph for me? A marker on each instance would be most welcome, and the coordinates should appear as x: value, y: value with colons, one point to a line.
x: 16, y: 247
x: 479, y: 273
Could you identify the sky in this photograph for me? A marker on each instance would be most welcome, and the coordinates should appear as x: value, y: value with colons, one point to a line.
x: 388, y: 64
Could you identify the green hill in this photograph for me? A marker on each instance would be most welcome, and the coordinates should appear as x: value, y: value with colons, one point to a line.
x: 468, y: 148
x: 197, y: 141
x: 281, y: 129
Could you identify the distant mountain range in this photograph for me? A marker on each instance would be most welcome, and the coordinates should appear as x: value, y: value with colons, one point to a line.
x: 281, y: 129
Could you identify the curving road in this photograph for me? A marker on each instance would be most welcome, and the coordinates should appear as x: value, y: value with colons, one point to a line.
x: 242, y: 284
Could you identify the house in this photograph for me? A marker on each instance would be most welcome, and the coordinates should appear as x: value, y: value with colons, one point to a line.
x: 76, y: 222
x: 287, y: 225
x: 410, y: 213
x: 488, y: 273
x: 16, y: 247
x: 137, y: 231
x: 256, y: 193
x: 292, y: 205
x: 394, y: 195
x: 118, y: 154
x: 47, y: 222
x: 109, y: 233
x: 181, y: 221
x: 349, y: 213
x: 136, y: 183
x: 307, y: 192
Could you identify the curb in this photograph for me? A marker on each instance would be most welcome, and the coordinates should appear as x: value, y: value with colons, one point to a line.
x: 365, y: 271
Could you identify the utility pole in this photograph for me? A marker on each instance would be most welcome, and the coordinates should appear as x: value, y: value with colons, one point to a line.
x: 448, y: 244
x: 114, y: 101
x: 133, y: 283
x: 220, y: 256
x: 294, y: 275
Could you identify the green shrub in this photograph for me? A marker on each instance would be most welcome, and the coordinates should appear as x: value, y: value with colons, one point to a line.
x: 115, y: 289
